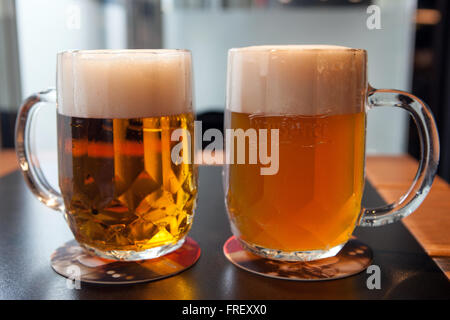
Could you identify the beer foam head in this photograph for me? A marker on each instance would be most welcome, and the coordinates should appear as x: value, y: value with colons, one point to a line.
x: 124, y: 83
x: 296, y: 79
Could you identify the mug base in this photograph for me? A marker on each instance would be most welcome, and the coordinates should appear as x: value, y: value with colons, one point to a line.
x: 280, y: 255
x: 354, y: 258
x: 131, y: 255
x: 73, y: 262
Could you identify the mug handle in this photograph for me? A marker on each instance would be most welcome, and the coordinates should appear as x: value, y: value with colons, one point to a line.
x: 429, y: 159
x: 28, y: 161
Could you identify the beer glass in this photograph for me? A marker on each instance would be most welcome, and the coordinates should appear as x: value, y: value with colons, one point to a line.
x: 121, y: 194
x: 309, y: 104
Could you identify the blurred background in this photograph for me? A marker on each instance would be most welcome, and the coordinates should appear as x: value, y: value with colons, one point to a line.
x: 408, y: 48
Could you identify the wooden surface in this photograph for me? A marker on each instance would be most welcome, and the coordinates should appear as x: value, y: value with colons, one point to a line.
x: 8, y: 162
x: 430, y: 223
x: 391, y: 176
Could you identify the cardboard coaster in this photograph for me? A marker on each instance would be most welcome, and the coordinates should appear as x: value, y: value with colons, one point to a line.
x: 354, y: 257
x: 71, y: 260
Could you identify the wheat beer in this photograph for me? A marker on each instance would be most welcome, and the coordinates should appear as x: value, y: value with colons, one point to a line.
x: 122, y: 193
x: 314, y: 96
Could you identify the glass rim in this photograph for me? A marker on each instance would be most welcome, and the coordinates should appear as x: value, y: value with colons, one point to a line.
x: 125, y: 51
x: 294, y: 48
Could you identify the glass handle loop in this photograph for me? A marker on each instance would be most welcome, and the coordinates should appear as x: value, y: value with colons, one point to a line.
x: 429, y: 156
x: 28, y: 161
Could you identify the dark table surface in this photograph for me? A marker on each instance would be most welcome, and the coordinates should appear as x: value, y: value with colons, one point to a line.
x: 29, y: 233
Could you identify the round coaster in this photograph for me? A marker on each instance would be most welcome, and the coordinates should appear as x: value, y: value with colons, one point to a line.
x: 74, y: 262
x: 354, y: 257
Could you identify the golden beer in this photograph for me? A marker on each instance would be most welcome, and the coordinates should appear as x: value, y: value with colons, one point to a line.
x: 314, y: 200
x: 120, y: 187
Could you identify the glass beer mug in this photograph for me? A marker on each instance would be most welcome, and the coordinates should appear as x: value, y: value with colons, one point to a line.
x: 121, y: 194
x: 306, y: 206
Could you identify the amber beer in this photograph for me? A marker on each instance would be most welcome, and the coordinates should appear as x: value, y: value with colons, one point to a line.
x: 124, y: 198
x: 314, y: 96
x: 315, y: 198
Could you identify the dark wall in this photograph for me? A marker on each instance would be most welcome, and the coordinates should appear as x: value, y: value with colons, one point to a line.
x: 431, y: 80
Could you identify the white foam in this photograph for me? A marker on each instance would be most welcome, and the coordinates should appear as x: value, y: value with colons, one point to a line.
x: 296, y: 79
x: 124, y: 83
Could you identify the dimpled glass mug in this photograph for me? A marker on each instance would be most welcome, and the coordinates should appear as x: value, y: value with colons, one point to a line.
x: 317, y: 97
x: 121, y: 194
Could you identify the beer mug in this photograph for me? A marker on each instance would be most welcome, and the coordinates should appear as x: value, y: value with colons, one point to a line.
x: 121, y: 194
x: 305, y: 108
